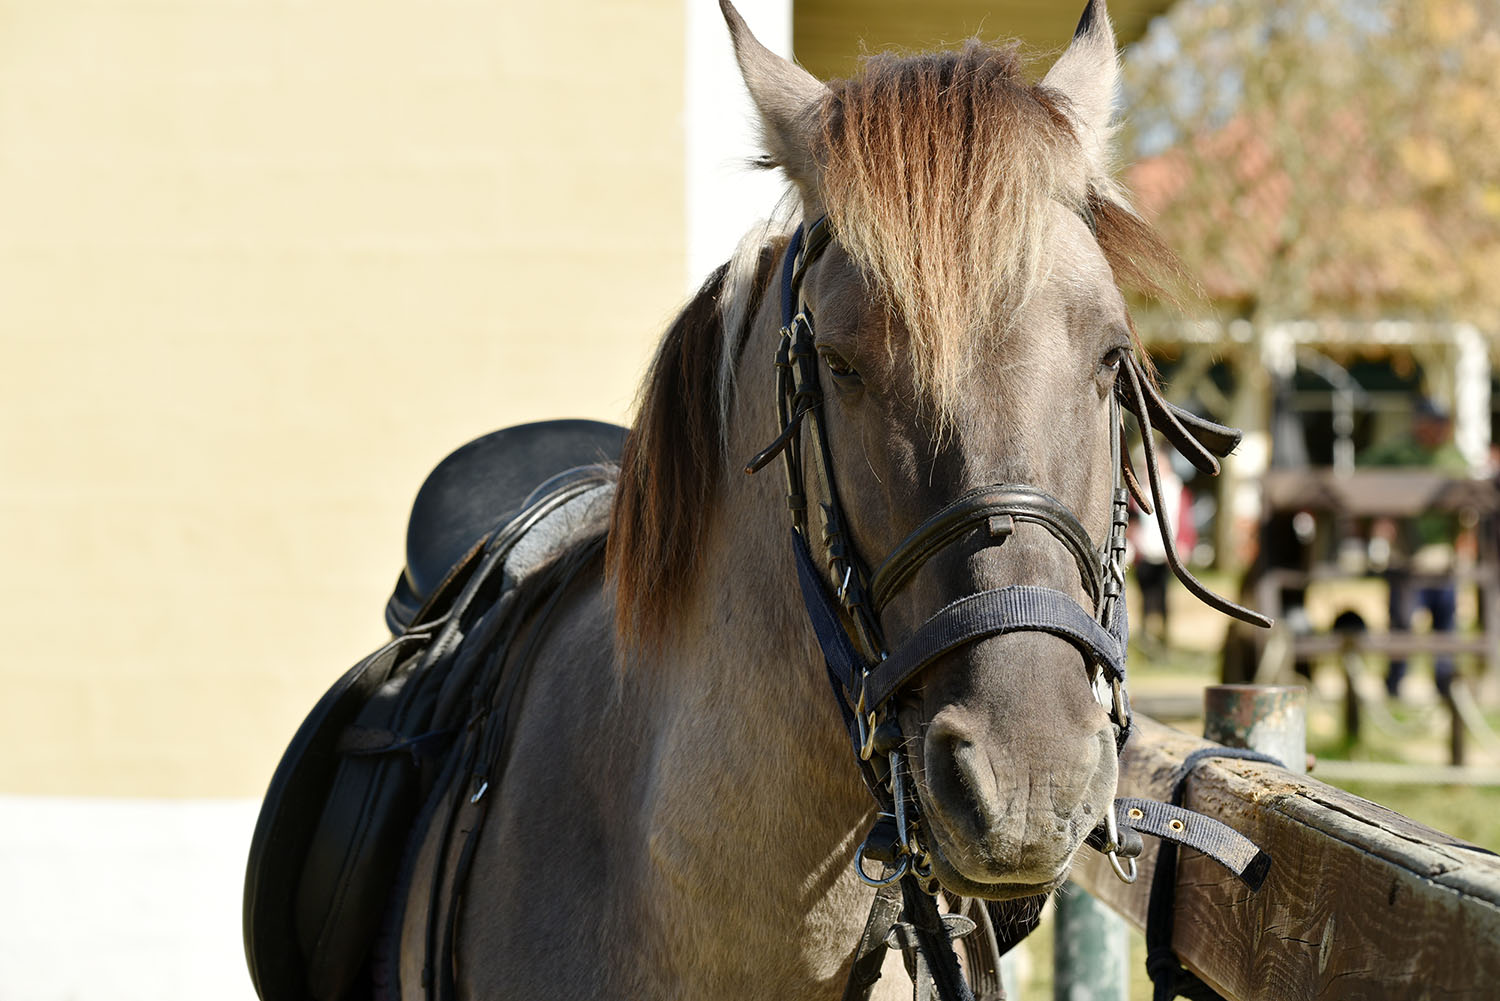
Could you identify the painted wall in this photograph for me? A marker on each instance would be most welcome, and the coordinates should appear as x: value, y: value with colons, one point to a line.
x: 261, y: 266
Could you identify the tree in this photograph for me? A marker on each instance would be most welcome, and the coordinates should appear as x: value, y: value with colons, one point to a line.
x: 1321, y: 160
x: 1326, y: 157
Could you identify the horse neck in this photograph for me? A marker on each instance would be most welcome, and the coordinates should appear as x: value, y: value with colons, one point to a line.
x: 747, y: 679
x: 752, y: 751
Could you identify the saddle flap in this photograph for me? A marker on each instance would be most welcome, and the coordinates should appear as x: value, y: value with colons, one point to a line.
x: 289, y: 816
x: 362, y: 829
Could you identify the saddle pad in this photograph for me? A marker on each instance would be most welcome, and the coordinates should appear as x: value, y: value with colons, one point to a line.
x: 338, y: 812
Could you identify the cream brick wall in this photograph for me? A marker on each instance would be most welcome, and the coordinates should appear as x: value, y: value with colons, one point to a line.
x: 261, y: 265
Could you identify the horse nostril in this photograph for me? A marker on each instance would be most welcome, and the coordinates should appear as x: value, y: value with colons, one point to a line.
x: 961, y: 780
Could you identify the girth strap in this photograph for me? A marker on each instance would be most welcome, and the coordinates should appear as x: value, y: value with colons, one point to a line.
x: 1016, y: 608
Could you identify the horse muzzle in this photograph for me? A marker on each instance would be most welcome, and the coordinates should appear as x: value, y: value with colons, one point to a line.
x: 1010, y: 786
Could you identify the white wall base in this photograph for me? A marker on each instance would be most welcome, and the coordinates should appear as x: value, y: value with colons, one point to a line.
x: 123, y: 900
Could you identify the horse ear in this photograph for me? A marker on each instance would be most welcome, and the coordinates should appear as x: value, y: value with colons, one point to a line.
x: 1088, y: 75
x: 787, y: 98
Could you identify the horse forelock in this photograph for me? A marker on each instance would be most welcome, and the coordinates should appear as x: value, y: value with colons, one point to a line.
x: 673, y: 458
x: 940, y: 174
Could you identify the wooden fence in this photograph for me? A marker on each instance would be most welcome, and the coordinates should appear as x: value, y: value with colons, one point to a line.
x: 1361, y: 902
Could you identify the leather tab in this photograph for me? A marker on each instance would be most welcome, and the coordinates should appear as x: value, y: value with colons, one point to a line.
x: 883, y: 843
x: 1182, y: 826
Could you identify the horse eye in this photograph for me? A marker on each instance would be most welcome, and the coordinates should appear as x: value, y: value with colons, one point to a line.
x: 837, y: 365
x: 1114, y: 358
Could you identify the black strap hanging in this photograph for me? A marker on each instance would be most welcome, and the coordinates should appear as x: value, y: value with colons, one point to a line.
x: 1169, y: 978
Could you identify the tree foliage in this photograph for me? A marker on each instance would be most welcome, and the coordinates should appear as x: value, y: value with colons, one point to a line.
x: 1325, y: 157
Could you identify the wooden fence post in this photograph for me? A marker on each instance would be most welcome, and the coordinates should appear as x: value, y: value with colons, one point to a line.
x: 1360, y: 902
x: 1090, y: 949
x: 1271, y: 719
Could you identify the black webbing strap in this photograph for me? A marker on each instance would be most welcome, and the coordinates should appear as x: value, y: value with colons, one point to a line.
x: 933, y: 946
x: 1168, y: 977
x: 1015, y: 608
x: 982, y: 950
x: 1182, y: 826
x: 844, y: 665
x: 843, y: 660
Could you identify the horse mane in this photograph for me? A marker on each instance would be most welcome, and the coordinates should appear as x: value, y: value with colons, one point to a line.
x: 939, y: 173
x: 674, y: 452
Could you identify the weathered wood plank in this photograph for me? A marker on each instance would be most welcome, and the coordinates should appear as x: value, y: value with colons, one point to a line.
x: 1392, y: 773
x: 1361, y: 902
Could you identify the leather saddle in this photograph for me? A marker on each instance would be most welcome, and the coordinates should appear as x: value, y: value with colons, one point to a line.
x: 483, y: 485
x: 327, y: 852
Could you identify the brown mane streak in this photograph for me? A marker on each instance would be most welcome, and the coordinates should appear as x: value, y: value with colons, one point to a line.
x: 939, y: 173
x: 671, y: 465
x: 1140, y: 260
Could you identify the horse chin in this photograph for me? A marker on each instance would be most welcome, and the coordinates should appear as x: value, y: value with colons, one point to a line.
x: 954, y: 881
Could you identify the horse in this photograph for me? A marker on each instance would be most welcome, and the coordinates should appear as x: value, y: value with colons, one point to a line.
x: 677, y: 811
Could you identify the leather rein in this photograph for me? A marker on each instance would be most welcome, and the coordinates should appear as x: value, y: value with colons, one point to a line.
x: 867, y: 674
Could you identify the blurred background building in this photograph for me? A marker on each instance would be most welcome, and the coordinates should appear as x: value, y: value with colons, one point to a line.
x: 263, y: 264
x: 1328, y: 171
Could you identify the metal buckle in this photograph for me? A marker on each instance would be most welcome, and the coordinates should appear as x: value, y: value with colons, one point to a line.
x: 1121, y: 714
x: 843, y: 587
x: 913, y: 858
x: 1126, y: 872
x: 865, y: 718
x: 903, y: 866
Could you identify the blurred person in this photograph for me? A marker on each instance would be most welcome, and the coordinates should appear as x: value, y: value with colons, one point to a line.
x: 1149, y: 554
x: 1423, y: 545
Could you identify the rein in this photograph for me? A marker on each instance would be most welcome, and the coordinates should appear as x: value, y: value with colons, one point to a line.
x: 867, y: 674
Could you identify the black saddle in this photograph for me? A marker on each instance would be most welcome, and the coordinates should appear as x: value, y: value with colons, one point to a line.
x: 340, y: 807
x: 482, y: 486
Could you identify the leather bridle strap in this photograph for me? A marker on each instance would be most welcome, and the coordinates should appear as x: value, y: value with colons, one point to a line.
x: 1012, y: 609
x: 1141, y: 396
x: 996, y: 507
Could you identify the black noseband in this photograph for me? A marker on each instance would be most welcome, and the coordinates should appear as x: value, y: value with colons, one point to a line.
x: 997, y: 508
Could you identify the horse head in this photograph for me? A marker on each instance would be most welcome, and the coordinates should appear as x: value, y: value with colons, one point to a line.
x: 957, y: 274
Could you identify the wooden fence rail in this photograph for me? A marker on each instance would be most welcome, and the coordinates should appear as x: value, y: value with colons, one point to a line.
x: 1361, y: 902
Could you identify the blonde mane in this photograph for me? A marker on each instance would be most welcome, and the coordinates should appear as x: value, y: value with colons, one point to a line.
x: 941, y: 173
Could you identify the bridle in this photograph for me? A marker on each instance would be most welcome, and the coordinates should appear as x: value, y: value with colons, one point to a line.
x: 867, y: 674
x: 867, y: 681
